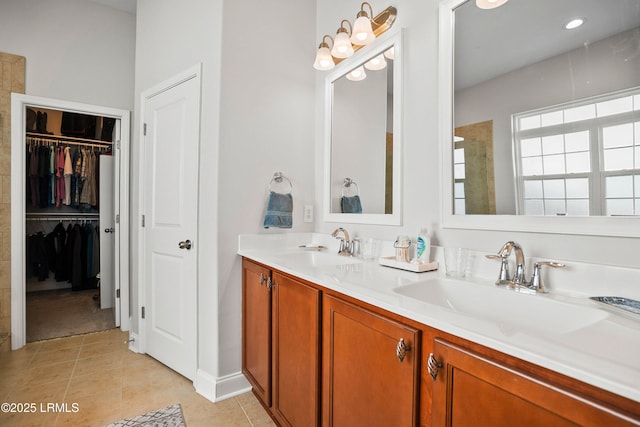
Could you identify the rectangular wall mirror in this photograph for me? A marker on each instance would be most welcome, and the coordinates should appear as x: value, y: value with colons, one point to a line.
x: 540, y: 123
x: 362, y: 165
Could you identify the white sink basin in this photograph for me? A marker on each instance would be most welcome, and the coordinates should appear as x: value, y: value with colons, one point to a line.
x: 511, y: 311
x: 317, y: 259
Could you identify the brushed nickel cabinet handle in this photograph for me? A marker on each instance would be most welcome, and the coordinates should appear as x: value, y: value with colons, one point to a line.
x: 263, y: 279
x: 433, y: 366
x: 401, y: 349
x: 270, y: 283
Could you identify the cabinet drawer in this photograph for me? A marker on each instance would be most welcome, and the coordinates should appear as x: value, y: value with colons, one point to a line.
x: 471, y: 389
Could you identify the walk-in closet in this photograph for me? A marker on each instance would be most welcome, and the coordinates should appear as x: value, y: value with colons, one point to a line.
x: 69, y: 176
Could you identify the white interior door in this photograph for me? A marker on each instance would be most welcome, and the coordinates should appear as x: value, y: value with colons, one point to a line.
x: 119, y: 165
x: 107, y: 235
x: 171, y: 118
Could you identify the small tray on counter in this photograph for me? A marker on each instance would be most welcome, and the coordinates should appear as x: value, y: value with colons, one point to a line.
x: 619, y: 304
x: 390, y: 261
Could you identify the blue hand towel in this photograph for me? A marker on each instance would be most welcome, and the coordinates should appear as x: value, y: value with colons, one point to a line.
x: 351, y: 204
x: 279, y: 210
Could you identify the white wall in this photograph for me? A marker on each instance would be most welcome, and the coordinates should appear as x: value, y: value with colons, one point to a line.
x: 421, y: 177
x: 257, y: 118
x: 172, y: 37
x: 76, y: 50
x: 266, y: 126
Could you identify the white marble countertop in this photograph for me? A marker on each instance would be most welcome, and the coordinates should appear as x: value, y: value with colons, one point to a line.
x: 602, y: 348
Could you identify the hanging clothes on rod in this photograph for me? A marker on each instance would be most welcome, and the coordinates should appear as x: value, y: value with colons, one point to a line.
x: 63, y: 186
x: 70, y: 253
x: 62, y: 172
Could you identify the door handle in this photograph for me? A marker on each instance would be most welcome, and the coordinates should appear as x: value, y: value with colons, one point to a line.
x: 109, y: 230
x: 185, y: 244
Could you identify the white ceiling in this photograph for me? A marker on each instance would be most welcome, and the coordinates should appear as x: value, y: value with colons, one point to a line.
x: 125, y: 5
x: 522, y: 32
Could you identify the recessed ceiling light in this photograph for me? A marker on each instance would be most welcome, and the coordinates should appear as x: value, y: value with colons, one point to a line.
x: 574, y: 23
x: 490, y: 4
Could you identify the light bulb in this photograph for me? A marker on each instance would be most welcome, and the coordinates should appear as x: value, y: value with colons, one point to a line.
x: 342, y: 47
x: 574, y: 23
x: 362, y: 31
x: 490, y: 4
x: 376, y: 63
x: 323, y: 61
x: 357, y: 74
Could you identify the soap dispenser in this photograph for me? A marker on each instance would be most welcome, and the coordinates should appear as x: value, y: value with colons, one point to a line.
x: 423, y: 246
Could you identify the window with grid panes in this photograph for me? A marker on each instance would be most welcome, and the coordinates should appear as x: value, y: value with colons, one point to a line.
x: 580, y: 159
x: 459, y: 176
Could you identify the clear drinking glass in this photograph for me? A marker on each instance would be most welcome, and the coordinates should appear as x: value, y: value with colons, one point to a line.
x: 455, y: 260
x: 370, y: 248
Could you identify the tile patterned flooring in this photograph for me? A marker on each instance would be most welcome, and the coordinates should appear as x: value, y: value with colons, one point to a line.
x: 107, y: 383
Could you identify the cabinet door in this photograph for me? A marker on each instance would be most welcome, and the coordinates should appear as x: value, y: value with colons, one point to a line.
x: 256, y: 329
x: 364, y: 381
x: 470, y: 389
x: 296, y: 352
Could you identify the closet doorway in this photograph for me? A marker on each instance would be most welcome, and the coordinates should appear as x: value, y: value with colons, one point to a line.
x: 57, y: 229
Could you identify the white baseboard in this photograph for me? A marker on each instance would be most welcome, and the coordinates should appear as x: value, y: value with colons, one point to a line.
x: 232, y: 385
x: 217, y: 389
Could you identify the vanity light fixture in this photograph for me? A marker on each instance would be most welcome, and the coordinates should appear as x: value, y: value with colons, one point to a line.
x: 357, y: 74
x: 342, y: 47
x: 348, y: 41
x: 376, y: 63
x: 389, y: 53
x: 324, y: 61
x: 490, y: 4
x: 574, y: 23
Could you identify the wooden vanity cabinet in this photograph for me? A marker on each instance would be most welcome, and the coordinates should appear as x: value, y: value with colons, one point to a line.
x: 474, y: 389
x: 296, y: 352
x: 256, y: 329
x: 314, y: 356
x: 281, y: 343
x: 367, y: 379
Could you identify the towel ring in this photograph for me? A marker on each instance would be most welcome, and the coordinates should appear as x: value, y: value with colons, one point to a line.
x: 348, y: 182
x: 278, y: 178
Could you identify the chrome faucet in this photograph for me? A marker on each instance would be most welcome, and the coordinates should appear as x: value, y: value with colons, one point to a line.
x: 518, y: 280
x: 346, y: 245
x: 503, y: 255
x: 518, y: 277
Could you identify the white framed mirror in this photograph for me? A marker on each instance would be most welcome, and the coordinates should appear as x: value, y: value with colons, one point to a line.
x: 363, y: 136
x: 511, y: 101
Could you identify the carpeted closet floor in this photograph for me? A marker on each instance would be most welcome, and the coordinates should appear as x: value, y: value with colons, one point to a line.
x: 62, y: 313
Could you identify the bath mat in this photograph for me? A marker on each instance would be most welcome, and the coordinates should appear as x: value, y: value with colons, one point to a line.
x: 171, y: 416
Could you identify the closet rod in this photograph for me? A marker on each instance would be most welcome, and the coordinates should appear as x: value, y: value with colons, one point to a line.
x: 81, y: 144
x: 63, y: 218
x: 67, y: 139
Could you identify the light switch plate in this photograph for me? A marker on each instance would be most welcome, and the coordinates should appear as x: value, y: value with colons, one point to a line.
x: 308, y: 213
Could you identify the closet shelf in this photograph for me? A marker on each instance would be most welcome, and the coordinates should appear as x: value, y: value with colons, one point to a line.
x: 61, y: 215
